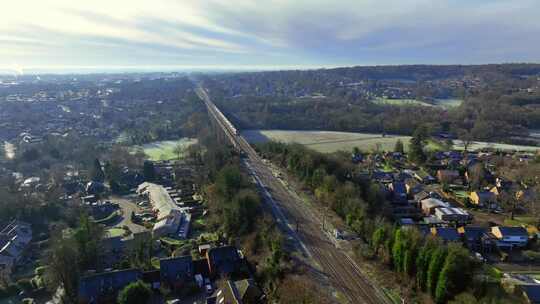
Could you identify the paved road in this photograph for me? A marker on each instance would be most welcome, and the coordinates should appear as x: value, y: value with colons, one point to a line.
x: 127, y: 205
x: 335, y: 264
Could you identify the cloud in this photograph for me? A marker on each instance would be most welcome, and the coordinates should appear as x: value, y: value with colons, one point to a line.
x: 279, y: 32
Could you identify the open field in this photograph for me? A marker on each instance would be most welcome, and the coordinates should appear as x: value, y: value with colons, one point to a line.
x: 449, y: 103
x: 443, y: 103
x: 165, y: 150
x: 327, y: 141
x: 481, y: 145
x: 400, y: 102
x: 330, y: 141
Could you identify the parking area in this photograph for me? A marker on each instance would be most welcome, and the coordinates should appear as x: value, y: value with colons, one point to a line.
x: 128, y: 205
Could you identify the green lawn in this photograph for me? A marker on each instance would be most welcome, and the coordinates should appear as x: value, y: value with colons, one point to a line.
x: 493, y: 272
x: 172, y: 242
x: 520, y: 221
x: 435, y: 145
x: 208, y: 237
x: 200, y: 221
x: 387, y: 168
x: 461, y: 194
x: 155, y: 262
x: 165, y: 150
x: 109, y: 218
x: 115, y: 232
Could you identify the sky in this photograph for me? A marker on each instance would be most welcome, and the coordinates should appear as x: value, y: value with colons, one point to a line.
x: 238, y: 34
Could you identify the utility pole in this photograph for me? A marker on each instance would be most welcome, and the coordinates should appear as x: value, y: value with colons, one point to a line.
x: 324, y: 219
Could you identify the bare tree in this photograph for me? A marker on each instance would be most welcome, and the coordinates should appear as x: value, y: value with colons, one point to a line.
x: 466, y: 138
x: 178, y: 150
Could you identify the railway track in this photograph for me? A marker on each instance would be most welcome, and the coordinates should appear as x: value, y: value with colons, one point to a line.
x: 339, y: 268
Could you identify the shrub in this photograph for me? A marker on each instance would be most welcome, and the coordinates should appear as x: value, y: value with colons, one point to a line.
x: 25, y: 284
x: 135, y: 293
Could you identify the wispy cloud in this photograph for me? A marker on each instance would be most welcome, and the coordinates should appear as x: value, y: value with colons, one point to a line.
x: 271, y: 33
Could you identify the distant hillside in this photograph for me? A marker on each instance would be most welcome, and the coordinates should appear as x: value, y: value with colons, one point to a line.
x: 500, y: 101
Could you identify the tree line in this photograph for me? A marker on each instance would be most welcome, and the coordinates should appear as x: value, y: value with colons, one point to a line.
x: 441, y: 270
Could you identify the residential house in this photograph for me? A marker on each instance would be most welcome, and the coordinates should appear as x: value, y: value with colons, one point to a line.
x: 422, y: 195
x: 469, y: 161
x: 357, y: 158
x: 176, y: 272
x: 447, y: 234
x: 502, y: 183
x: 238, y: 292
x: 510, y: 237
x: 171, y: 219
x: 526, y: 195
x: 399, y: 192
x: 402, y: 176
x: 450, y: 214
x: 14, y: 240
x: 382, y: 177
x: 95, y: 188
x: 424, y: 177
x: 496, y: 190
x: 104, y: 287
x: 413, y: 187
x: 223, y: 260
x: 429, y: 205
x: 482, y: 198
x: 448, y: 176
x: 476, y: 238
x: 454, y: 155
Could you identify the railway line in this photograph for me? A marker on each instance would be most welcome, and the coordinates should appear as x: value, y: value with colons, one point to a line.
x: 337, y: 267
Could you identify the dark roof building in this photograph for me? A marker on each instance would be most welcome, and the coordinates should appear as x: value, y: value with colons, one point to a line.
x: 399, y: 192
x: 247, y: 291
x: 509, y: 237
x: 476, y: 238
x: 381, y: 176
x: 531, y: 293
x: 104, y: 287
x: 447, y: 234
x: 176, y: 271
x: 223, y: 260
